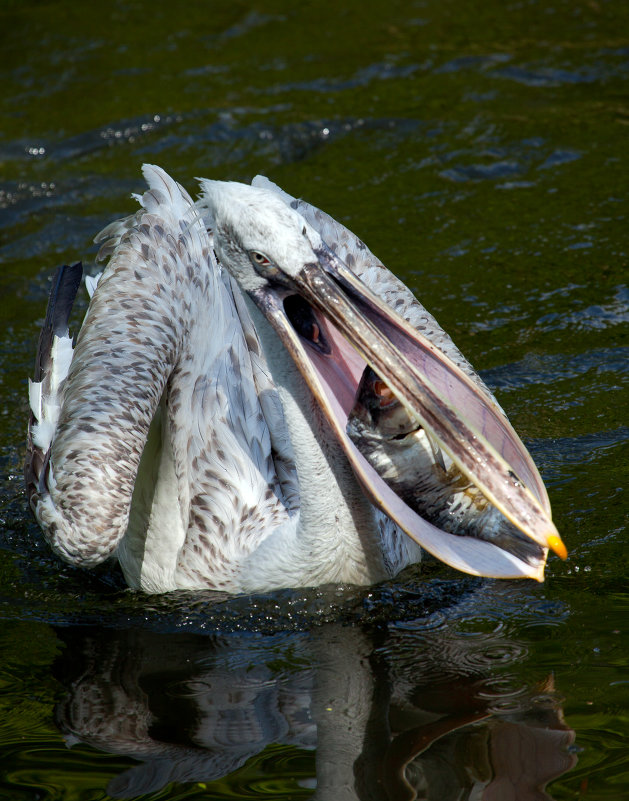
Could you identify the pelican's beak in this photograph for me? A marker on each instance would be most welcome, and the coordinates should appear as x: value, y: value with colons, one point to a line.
x: 458, y: 414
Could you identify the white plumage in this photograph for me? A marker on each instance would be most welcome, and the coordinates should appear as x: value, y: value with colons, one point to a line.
x: 183, y: 437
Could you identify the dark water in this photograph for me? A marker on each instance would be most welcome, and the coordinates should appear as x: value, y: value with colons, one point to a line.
x: 481, y: 151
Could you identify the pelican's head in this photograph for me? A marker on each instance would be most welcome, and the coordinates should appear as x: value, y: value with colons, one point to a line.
x: 257, y: 237
x: 332, y: 326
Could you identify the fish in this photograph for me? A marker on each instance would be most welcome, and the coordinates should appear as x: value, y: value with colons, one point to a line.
x: 411, y: 463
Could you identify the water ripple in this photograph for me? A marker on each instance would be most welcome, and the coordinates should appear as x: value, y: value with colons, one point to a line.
x: 546, y: 76
x: 592, y: 317
x: 544, y: 369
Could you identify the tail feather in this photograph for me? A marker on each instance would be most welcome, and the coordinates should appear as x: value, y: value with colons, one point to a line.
x: 54, y: 354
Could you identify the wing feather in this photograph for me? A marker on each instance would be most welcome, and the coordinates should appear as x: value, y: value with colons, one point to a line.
x: 162, y: 332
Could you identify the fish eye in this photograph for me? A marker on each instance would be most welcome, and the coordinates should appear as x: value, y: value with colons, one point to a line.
x: 383, y: 390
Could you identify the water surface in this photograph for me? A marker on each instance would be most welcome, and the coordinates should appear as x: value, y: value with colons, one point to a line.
x: 479, y: 149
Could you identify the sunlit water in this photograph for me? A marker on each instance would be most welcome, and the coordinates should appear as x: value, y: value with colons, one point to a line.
x: 480, y: 151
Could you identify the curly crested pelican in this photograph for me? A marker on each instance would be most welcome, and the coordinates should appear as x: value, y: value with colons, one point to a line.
x: 197, y: 431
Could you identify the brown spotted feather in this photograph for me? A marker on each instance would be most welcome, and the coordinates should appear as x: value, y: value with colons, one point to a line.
x: 162, y: 343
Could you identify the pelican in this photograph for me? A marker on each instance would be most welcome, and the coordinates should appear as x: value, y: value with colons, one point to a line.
x: 197, y: 430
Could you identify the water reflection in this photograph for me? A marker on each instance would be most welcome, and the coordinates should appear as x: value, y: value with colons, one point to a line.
x: 392, y: 713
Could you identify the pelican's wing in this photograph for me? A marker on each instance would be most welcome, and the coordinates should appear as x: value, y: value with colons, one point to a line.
x: 159, y: 433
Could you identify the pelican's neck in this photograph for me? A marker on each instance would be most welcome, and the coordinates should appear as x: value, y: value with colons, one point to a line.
x: 336, y: 536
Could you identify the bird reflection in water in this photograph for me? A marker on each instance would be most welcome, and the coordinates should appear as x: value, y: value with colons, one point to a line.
x: 395, y: 715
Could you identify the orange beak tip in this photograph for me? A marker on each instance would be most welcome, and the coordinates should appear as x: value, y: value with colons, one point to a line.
x: 556, y: 545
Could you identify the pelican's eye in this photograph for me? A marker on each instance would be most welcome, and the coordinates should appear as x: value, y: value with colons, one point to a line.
x: 267, y: 269
x: 262, y: 264
x: 260, y: 259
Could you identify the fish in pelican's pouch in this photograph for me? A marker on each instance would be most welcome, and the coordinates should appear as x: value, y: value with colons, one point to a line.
x: 413, y: 465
